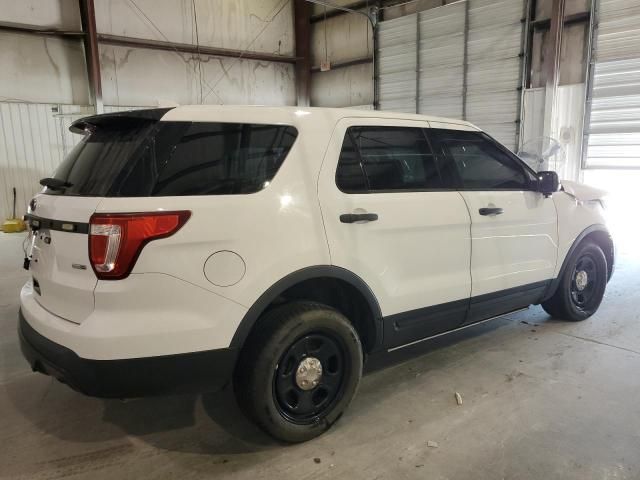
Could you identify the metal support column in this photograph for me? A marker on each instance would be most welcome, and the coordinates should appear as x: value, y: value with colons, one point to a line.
x: 588, y: 85
x: 302, y: 27
x: 417, y: 62
x: 465, y: 60
x: 552, y: 65
x: 525, y: 64
x: 374, y: 18
x: 91, y: 53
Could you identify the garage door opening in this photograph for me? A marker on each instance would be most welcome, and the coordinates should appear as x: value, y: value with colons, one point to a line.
x: 621, y: 204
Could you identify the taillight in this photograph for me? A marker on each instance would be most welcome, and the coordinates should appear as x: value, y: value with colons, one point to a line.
x: 116, y: 240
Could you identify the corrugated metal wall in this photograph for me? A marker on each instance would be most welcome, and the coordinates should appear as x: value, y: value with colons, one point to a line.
x: 442, y: 60
x: 495, y: 43
x: 614, y: 129
x: 397, y: 63
x: 34, y: 138
x: 490, y: 70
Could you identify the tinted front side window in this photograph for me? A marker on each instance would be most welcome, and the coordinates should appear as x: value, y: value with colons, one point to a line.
x: 480, y: 163
x: 176, y: 158
x: 386, y: 158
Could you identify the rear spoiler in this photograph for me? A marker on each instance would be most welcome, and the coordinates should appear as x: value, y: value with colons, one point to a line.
x: 152, y: 115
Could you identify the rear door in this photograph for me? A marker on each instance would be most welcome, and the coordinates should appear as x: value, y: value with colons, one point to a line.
x: 513, y: 227
x: 392, y: 218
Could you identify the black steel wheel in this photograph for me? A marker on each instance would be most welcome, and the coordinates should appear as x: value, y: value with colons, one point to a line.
x: 309, y: 377
x: 299, y: 370
x: 582, y: 285
x: 584, y: 281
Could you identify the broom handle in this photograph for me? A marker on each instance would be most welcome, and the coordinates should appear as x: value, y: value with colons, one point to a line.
x: 14, y: 202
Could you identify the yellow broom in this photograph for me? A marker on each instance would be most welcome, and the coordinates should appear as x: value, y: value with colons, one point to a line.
x: 13, y: 224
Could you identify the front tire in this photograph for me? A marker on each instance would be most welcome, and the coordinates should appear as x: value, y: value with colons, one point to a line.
x: 299, y: 370
x: 582, y: 285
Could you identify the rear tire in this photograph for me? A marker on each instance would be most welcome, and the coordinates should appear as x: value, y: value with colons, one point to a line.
x: 299, y: 370
x: 581, y: 286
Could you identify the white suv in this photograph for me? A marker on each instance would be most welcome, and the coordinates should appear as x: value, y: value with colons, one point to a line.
x: 279, y: 249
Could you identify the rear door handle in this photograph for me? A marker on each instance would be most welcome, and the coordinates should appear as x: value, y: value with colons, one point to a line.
x: 491, y: 211
x: 358, y: 217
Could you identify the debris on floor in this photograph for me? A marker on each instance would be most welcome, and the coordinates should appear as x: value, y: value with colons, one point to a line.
x: 432, y: 444
x: 317, y: 460
x: 458, y: 398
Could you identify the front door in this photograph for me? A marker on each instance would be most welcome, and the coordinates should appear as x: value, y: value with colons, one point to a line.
x: 392, y: 217
x: 513, y: 227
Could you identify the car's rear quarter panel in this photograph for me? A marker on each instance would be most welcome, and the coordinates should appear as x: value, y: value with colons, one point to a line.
x: 275, y: 231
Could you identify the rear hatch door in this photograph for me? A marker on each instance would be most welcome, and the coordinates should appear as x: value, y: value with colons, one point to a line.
x: 112, y: 147
x: 62, y: 275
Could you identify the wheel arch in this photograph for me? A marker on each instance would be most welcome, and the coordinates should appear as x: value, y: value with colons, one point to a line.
x: 335, y: 286
x: 597, y: 233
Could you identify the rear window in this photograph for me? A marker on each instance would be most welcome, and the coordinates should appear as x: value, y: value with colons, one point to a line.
x: 386, y: 159
x: 175, y: 159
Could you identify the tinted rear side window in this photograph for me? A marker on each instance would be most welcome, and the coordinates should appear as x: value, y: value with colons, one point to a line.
x: 389, y: 158
x: 350, y: 173
x: 224, y: 158
x: 93, y: 164
x: 176, y: 158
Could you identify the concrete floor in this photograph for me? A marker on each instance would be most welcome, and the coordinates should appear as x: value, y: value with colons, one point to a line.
x: 542, y: 399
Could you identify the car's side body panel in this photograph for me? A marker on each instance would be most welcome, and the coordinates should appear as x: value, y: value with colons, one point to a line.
x: 574, y: 216
x: 515, y: 248
x: 204, y: 287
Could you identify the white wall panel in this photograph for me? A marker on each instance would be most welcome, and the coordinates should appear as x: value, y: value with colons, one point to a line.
x: 532, y: 115
x: 348, y: 37
x: 340, y: 39
x: 52, y: 70
x: 344, y: 87
x: 566, y: 128
x: 133, y: 76
x: 59, y: 14
x: 42, y: 69
x: 233, y: 24
x: 34, y: 138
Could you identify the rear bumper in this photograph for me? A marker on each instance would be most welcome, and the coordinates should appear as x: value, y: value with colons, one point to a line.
x: 127, y: 378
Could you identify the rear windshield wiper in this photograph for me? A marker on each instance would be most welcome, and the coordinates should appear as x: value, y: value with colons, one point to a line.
x: 55, y: 183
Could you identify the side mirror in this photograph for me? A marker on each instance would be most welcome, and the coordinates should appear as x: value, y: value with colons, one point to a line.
x: 548, y: 183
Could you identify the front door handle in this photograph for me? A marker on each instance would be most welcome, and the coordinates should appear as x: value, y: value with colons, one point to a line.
x: 358, y: 217
x: 491, y: 211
